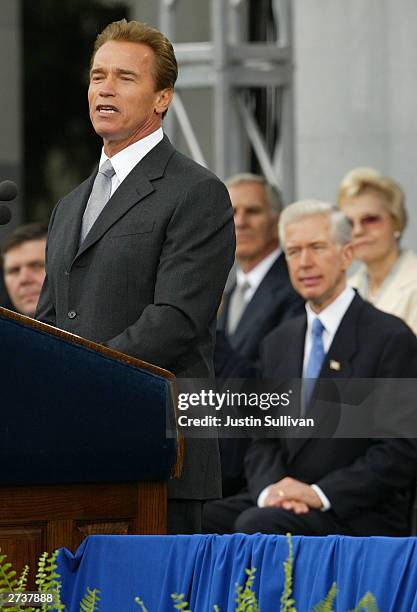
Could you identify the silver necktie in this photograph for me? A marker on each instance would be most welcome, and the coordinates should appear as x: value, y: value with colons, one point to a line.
x: 100, y: 195
x: 236, y: 307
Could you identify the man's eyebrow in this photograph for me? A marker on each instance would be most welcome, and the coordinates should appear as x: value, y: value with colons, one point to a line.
x: 123, y: 71
x: 8, y: 269
x: 126, y: 71
x: 309, y: 244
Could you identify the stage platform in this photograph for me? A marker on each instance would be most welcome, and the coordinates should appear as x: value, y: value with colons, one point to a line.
x: 206, y: 569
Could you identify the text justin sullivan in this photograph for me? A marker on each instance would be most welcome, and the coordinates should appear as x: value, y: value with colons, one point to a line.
x: 248, y: 421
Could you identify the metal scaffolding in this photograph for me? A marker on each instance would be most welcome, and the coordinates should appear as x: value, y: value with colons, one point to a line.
x: 234, y: 68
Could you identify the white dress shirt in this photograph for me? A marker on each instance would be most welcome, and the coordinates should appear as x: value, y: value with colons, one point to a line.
x: 124, y: 161
x: 331, y: 317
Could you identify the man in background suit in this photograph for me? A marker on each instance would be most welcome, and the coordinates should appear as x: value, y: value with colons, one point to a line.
x: 321, y: 486
x: 267, y: 299
x: 23, y: 259
x: 138, y: 254
x: 261, y: 298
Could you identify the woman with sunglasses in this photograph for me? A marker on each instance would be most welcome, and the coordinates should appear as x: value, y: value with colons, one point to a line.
x: 388, y: 277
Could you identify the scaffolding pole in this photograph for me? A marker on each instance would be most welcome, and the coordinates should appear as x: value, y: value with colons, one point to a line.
x: 232, y: 67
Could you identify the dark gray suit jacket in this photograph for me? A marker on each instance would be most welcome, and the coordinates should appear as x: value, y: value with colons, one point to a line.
x: 148, y: 279
x: 274, y: 302
x: 237, y: 356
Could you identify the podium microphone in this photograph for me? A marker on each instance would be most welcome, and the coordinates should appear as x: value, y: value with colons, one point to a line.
x: 8, y: 191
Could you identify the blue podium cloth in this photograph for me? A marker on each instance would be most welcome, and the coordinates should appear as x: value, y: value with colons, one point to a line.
x: 206, y: 568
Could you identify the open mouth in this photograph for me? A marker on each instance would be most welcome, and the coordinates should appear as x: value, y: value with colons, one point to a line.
x: 106, y: 109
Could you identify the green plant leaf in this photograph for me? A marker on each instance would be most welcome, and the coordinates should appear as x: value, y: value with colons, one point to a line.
x: 287, y: 601
x: 89, y: 602
x: 368, y: 603
x: 179, y: 603
x: 327, y: 604
x: 141, y: 604
x: 246, y: 600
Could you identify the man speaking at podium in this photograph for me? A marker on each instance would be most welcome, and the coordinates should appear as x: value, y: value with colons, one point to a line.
x: 138, y: 254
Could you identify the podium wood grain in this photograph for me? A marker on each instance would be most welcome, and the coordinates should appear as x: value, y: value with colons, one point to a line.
x: 44, y: 518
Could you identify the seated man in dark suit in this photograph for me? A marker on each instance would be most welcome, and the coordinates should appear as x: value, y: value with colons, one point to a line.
x: 320, y: 486
x: 261, y: 298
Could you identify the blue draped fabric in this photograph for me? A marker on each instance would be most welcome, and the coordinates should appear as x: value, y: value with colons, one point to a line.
x: 206, y: 568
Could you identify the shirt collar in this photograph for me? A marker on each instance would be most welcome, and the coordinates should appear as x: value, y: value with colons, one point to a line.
x: 124, y: 161
x: 332, y: 315
x: 257, y: 274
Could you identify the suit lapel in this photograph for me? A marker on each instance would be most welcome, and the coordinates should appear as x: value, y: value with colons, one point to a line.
x: 75, y: 205
x: 294, y: 360
x: 266, y: 298
x: 339, y: 358
x: 294, y: 349
x: 136, y: 186
x: 133, y: 189
x: 224, y: 310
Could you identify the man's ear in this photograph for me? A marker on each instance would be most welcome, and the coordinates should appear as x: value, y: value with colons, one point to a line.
x: 275, y: 221
x: 163, y: 100
x: 347, y: 250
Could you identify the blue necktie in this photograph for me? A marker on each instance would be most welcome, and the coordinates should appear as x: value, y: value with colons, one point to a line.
x: 315, y: 361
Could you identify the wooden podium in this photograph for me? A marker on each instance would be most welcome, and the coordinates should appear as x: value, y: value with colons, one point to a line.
x: 83, y: 442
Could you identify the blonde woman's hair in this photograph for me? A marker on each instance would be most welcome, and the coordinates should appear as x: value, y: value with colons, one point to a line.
x: 360, y: 180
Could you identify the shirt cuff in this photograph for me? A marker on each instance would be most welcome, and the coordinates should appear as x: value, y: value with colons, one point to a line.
x: 260, y: 502
x: 323, y: 498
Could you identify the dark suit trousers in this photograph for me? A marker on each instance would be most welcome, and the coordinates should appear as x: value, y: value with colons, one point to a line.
x: 237, y: 514
x: 184, y: 516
